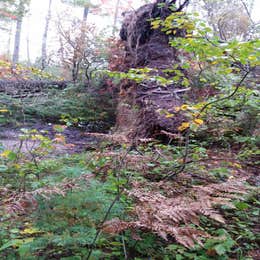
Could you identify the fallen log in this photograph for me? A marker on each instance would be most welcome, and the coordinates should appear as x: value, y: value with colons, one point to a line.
x: 20, y: 88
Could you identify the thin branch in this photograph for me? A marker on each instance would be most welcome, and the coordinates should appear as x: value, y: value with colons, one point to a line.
x: 226, y: 97
x: 119, y: 193
x: 247, y: 11
x: 181, y: 168
x: 185, y: 3
x: 236, y: 62
x: 184, y: 159
x: 124, y: 247
x: 102, y: 222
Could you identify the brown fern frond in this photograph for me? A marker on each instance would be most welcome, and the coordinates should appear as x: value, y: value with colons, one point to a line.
x: 115, y: 226
x: 22, y: 202
x: 15, y: 203
x: 172, y: 217
x: 113, y: 138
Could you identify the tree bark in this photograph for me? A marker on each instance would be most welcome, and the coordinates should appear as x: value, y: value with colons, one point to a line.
x: 17, y: 40
x: 85, y: 13
x: 28, y: 50
x: 9, y: 42
x: 115, y: 17
x: 45, y: 36
x: 19, y: 21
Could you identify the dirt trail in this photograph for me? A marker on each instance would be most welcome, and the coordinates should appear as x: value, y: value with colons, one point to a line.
x: 76, y: 139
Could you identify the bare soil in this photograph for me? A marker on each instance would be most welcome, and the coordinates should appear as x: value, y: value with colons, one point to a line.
x: 76, y: 140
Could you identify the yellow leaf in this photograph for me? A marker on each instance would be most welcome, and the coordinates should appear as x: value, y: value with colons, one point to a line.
x: 198, y: 121
x: 184, y: 126
x: 5, y: 153
x: 237, y: 165
x: 3, y: 110
x: 252, y: 58
x: 169, y: 115
x: 30, y: 231
x: 195, y: 114
x: 177, y: 109
x: 17, y: 166
x: 199, y: 105
x: 155, y: 24
x: 184, y: 107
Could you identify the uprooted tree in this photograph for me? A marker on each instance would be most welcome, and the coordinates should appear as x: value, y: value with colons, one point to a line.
x: 147, y: 47
x: 171, y: 58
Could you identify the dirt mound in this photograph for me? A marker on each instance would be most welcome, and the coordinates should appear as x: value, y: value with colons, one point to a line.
x: 141, y: 106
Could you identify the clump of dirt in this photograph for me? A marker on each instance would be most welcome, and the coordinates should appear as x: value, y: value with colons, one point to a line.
x: 140, y: 109
x: 144, y: 45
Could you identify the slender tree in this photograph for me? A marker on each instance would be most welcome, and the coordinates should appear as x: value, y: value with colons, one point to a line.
x: 85, y: 13
x: 21, y: 11
x: 115, y: 17
x: 28, y: 46
x: 7, y: 17
x: 45, y: 36
x: 17, y: 40
x: 82, y: 3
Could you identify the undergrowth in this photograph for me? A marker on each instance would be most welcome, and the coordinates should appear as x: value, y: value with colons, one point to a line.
x: 60, y: 214
x: 75, y: 105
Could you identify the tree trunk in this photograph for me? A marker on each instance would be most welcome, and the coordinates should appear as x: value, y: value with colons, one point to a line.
x: 19, y: 20
x: 9, y: 42
x: 28, y: 42
x: 115, y: 17
x: 45, y: 36
x: 17, y: 41
x: 85, y: 13
x: 28, y: 50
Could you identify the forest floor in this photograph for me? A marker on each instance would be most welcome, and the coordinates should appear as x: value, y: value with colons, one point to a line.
x: 79, y: 170
x: 75, y: 139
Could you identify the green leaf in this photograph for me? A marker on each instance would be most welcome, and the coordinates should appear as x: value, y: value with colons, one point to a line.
x: 220, y: 249
x: 241, y: 205
x: 3, y: 168
x: 16, y: 243
x: 12, y: 156
x: 179, y: 257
